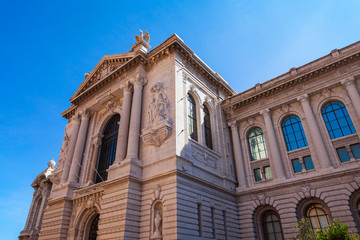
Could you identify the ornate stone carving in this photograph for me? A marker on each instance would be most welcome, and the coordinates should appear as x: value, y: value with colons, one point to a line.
x: 250, y: 121
x: 143, y: 37
x: 285, y: 108
x: 326, y: 93
x: 343, y: 70
x: 293, y: 71
x: 202, y: 155
x: 157, y: 190
x: 184, y: 76
x: 348, y: 82
x: 50, y: 169
x: 303, y: 98
x: 85, y: 114
x: 306, y: 190
x: 262, y: 198
x: 265, y: 112
x: 159, y: 124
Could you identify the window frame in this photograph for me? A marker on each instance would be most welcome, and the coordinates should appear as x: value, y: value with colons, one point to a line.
x: 253, y: 129
x: 286, y: 134
x: 192, y: 120
x: 108, y: 143
x: 345, y: 115
x: 207, y: 127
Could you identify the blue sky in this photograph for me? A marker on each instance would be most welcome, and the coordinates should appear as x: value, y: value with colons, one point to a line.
x: 47, y: 46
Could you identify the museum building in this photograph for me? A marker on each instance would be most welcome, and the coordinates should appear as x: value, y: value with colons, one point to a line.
x: 159, y: 146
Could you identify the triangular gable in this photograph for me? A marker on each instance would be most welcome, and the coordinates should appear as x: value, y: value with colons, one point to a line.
x: 106, y: 66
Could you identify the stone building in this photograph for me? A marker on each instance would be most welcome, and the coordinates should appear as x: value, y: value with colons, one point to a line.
x: 159, y: 146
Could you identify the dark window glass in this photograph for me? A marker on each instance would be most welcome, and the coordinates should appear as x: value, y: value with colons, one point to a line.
x: 318, y: 215
x: 199, y: 208
x: 257, y: 174
x: 257, y: 144
x: 294, y: 133
x: 108, y: 148
x: 267, y: 172
x: 343, y: 154
x: 94, y: 228
x: 272, y: 226
x: 192, y: 123
x: 207, y: 126
x: 337, y: 120
x: 355, y: 149
x: 308, y: 163
x: 296, y: 165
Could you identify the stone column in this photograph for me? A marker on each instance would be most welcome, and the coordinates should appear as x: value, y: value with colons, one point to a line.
x: 349, y: 84
x: 31, y: 213
x: 315, y: 133
x: 134, y: 132
x: 239, y: 161
x: 79, y: 148
x: 273, y: 144
x: 124, y: 124
x: 40, y: 213
x: 96, y: 147
x: 71, y: 148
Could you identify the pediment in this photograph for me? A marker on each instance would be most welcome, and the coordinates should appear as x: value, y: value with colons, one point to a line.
x: 107, y: 65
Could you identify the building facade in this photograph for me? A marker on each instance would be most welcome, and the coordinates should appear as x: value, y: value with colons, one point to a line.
x: 159, y: 146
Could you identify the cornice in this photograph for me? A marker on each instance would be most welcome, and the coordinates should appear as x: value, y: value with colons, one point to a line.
x: 174, y: 43
x: 275, y: 85
x: 139, y: 59
x: 68, y: 113
x: 170, y: 45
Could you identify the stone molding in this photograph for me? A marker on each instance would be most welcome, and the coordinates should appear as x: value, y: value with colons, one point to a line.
x: 275, y: 88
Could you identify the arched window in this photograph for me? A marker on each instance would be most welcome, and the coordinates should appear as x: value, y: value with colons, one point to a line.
x: 337, y: 120
x: 192, y: 123
x: 294, y: 133
x: 94, y: 228
x: 108, y: 148
x: 207, y: 126
x: 271, y: 226
x: 257, y: 144
x: 318, y: 215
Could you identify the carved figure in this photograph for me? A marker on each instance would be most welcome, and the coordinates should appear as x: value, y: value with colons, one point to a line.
x: 157, y: 220
x: 142, y: 37
x: 157, y: 224
x: 159, y: 126
x: 158, y: 107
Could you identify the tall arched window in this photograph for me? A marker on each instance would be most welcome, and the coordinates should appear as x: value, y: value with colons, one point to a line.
x: 318, y: 215
x: 94, y: 228
x: 272, y: 226
x: 192, y: 123
x: 294, y: 133
x: 257, y: 144
x: 207, y: 126
x: 337, y: 120
x: 108, y: 148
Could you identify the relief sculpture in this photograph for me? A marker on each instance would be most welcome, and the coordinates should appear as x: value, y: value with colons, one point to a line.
x: 159, y: 125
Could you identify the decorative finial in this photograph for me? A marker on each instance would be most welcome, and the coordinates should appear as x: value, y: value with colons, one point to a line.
x: 51, y: 163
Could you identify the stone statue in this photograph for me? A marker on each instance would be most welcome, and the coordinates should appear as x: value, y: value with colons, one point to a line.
x: 157, y: 223
x: 142, y: 37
